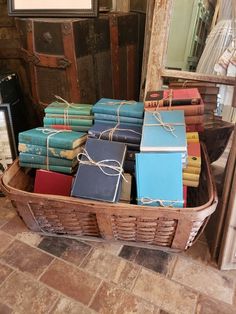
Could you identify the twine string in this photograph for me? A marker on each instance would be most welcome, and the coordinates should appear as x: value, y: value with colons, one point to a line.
x: 148, y: 201
x: 66, y: 109
x: 50, y: 133
x: 169, y: 127
x: 103, y: 164
x: 115, y: 128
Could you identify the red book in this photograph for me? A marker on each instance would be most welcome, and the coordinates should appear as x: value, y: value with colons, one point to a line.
x: 194, y: 119
x: 49, y: 182
x: 176, y: 97
x: 189, y: 110
x: 194, y: 128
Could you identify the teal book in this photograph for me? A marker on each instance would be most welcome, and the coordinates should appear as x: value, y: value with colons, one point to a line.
x: 56, y: 138
x: 159, y: 179
x: 104, y: 116
x: 52, y: 151
x: 74, y: 109
x: 40, y: 159
x: 50, y: 167
x: 75, y: 128
x: 109, y: 122
x: 75, y: 122
x: 156, y: 135
x: 127, y: 108
x: 62, y: 116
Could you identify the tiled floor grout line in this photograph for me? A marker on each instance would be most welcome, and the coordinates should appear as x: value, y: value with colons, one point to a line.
x: 84, y: 258
x: 45, y: 270
x: 53, y: 304
x: 95, y: 293
x: 175, y: 258
x: 13, y: 271
x: 135, y: 280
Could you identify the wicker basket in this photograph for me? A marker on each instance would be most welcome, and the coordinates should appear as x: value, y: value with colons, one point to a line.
x: 157, y: 227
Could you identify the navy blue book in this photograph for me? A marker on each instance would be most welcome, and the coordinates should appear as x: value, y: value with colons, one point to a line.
x: 124, y: 133
x: 104, y: 183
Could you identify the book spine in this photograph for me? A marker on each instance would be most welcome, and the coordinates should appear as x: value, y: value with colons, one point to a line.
x: 109, y: 122
x: 113, y: 111
x: 190, y: 110
x: 192, y: 137
x: 40, y: 159
x: 68, y: 127
x: 108, y: 117
x: 50, y: 167
x: 60, y: 116
x: 118, y: 136
x: 194, y: 170
x: 52, y: 152
x: 190, y: 176
x: 83, y: 111
x: 194, y: 128
x: 71, y: 122
x: 194, y: 119
x: 193, y: 161
x: 191, y: 183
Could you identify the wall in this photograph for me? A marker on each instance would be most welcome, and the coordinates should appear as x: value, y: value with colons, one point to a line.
x: 10, y: 60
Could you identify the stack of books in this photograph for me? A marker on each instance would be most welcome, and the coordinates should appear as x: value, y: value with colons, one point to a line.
x: 188, y: 99
x: 123, y: 133
x: 191, y: 174
x: 118, y: 111
x: 100, y: 171
x: 160, y: 163
x: 50, y: 149
x: 63, y: 116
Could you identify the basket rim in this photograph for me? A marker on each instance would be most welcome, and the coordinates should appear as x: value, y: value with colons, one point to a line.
x: 98, y: 206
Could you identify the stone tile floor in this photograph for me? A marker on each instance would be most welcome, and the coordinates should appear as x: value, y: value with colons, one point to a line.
x: 41, y: 274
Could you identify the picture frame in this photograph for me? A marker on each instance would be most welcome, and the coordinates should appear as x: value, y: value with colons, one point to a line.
x: 53, y: 8
x: 8, y: 149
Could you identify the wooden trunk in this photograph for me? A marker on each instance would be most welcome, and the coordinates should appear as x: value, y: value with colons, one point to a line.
x: 81, y: 60
x: 67, y: 57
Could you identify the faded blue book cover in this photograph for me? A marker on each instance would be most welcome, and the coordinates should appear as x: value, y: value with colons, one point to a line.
x: 159, y: 179
x: 128, y: 109
x: 123, y: 133
x: 157, y: 138
x: 103, y: 184
x: 110, y: 117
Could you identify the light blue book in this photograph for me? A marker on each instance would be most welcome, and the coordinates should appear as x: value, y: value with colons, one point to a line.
x: 110, y: 117
x: 156, y: 135
x: 128, y: 109
x: 159, y: 179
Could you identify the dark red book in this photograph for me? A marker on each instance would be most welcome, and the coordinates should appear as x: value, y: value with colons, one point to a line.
x: 185, y: 195
x: 176, y: 97
x: 49, y: 182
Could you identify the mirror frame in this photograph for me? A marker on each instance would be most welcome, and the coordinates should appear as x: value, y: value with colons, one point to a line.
x: 155, y: 51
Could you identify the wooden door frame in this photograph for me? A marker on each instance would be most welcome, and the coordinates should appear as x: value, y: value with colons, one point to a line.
x: 153, y: 69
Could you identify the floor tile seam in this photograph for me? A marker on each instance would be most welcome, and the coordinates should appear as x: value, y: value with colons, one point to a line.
x: 7, y: 247
x: 2, y: 226
x: 8, y: 276
x: 197, y: 302
x: 95, y: 293
x: 134, y: 283
x: 53, y: 305
x: 205, y: 265
x: 34, y: 279
x: 174, y: 261
x: 45, y: 270
x: 194, y: 291
x: 217, y: 300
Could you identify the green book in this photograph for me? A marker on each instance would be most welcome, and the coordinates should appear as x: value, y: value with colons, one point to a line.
x: 76, y: 122
x: 74, y: 128
x: 57, y: 138
x: 74, y: 109
x: 52, y: 151
x: 50, y: 167
x: 40, y: 159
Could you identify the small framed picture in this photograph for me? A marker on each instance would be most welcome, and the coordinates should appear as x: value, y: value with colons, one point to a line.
x: 69, y: 8
x: 8, y: 149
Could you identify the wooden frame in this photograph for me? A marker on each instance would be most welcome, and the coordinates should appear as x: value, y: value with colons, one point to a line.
x: 56, y: 8
x: 154, y: 64
x: 6, y: 122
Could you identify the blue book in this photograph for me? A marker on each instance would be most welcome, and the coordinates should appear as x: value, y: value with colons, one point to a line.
x: 159, y: 179
x: 110, y: 106
x: 124, y: 133
x: 103, y: 184
x: 109, y: 122
x: 122, y: 119
x: 156, y: 138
